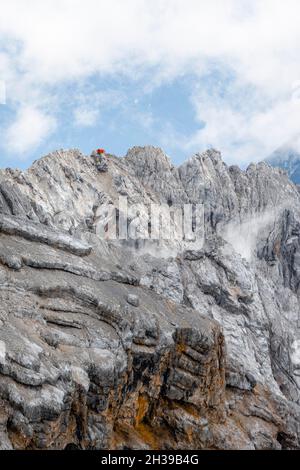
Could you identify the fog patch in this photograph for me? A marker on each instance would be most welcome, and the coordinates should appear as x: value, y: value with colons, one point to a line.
x: 243, y: 236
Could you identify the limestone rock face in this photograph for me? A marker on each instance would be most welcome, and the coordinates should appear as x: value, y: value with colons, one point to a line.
x: 139, y: 344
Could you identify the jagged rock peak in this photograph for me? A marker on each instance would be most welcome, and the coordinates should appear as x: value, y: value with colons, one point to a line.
x: 155, y: 170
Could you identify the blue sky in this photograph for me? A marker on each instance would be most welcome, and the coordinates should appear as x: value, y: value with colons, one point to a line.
x: 184, y: 75
x: 126, y: 114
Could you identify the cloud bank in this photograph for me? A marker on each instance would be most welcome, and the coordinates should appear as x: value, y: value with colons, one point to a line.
x: 244, y: 54
x: 28, y: 130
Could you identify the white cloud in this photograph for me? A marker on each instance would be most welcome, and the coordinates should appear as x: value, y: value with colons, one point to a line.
x: 245, y: 133
x: 29, y: 130
x: 85, y: 117
x: 2, y: 92
x: 55, y: 41
x: 64, y: 39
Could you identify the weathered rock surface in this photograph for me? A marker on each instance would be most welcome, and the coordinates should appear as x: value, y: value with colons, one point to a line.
x: 114, y: 344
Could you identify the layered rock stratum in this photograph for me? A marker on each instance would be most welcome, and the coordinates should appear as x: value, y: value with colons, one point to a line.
x: 108, y: 344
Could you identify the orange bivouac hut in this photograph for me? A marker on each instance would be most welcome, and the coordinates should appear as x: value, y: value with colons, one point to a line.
x: 100, y: 151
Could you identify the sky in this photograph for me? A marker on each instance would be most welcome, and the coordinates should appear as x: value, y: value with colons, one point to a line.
x: 184, y: 75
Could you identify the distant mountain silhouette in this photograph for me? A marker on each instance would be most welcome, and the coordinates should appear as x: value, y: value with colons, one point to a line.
x: 287, y: 158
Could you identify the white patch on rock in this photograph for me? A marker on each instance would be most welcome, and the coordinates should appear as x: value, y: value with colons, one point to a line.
x: 295, y: 356
x: 80, y: 377
x: 2, y: 352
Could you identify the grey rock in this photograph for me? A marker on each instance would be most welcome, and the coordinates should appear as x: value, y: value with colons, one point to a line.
x: 209, y: 359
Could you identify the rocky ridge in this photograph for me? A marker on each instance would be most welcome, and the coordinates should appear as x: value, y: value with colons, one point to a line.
x: 106, y: 346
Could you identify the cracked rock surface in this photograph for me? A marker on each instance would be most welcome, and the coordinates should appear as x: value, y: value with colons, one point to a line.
x: 121, y: 345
